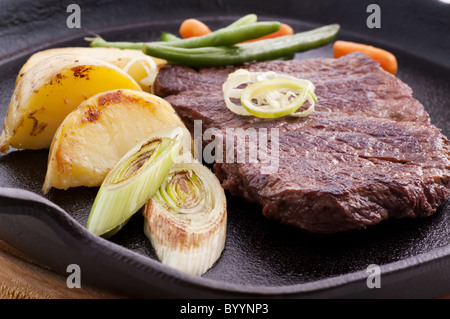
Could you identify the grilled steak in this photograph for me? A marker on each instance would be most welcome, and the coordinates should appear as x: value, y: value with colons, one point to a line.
x: 367, y: 153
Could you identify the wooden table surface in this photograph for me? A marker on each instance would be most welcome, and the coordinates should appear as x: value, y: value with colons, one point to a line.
x: 23, y: 278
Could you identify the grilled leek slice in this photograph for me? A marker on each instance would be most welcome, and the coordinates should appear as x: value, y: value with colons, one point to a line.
x: 186, y: 219
x: 135, y: 178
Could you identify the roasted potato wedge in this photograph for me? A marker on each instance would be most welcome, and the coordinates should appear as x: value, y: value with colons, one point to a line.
x: 142, y: 68
x: 93, y: 138
x: 49, y: 91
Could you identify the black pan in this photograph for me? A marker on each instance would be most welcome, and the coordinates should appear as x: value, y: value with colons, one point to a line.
x: 261, y: 257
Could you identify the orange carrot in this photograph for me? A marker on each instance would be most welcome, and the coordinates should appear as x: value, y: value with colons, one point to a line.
x: 386, y: 59
x: 193, y: 28
x: 284, y: 30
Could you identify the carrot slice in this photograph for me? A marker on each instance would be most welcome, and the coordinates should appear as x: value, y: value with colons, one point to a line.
x: 284, y: 30
x: 193, y: 28
x: 387, y: 60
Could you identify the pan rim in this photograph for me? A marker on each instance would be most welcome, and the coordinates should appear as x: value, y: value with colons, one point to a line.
x: 285, y: 291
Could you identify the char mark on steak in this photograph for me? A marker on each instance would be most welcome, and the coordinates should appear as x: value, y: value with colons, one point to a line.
x: 367, y: 153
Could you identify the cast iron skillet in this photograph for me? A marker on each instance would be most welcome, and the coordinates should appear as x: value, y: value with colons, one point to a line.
x: 262, y: 259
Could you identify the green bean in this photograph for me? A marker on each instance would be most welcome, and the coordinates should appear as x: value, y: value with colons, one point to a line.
x: 237, y: 54
x: 221, y: 37
x: 245, y: 20
x: 100, y: 42
x: 229, y: 36
x: 167, y: 36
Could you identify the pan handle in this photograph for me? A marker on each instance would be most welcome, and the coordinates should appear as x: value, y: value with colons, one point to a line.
x: 45, y: 232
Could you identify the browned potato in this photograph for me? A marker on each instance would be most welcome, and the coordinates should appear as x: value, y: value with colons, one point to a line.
x: 139, y: 66
x: 49, y: 91
x: 94, y: 137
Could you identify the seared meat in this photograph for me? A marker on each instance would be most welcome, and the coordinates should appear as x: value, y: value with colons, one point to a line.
x: 367, y: 153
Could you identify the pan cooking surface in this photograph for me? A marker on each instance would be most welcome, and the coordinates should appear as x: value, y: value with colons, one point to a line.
x: 260, y: 252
